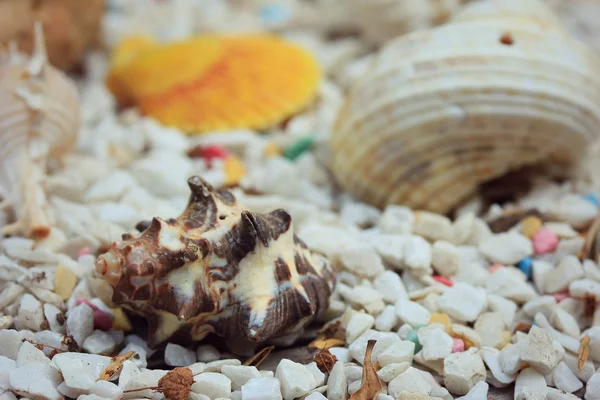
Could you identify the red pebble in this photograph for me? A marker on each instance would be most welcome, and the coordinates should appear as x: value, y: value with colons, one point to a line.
x: 458, y: 346
x: 209, y: 153
x: 102, y: 320
x: 560, y: 296
x: 544, y: 241
x: 495, y: 267
x: 443, y: 280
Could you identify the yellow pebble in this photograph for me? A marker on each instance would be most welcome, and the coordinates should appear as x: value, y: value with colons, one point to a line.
x: 271, y: 150
x: 506, y: 340
x: 234, y: 170
x: 64, y: 282
x: 440, y: 318
x: 121, y: 321
x: 531, y: 225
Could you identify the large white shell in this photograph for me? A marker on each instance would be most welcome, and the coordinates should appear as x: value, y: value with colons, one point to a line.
x: 39, y: 119
x: 444, y: 110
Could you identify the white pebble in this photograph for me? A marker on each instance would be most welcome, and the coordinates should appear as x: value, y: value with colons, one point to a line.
x: 592, y: 388
x: 36, y: 381
x: 554, y: 394
x: 391, y: 371
x: 564, y: 379
x: 561, y: 229
x: 296, y: 380
x: 341, y: 354
x: 544, y: 304
x: 463, y: 370
x: 409, y: 380
x: 179, y: 356
x: 417, y: 255
x: 477, y: 392
x: 396, y: 220
x: 389, y: 284
x: 207, y: 353
x: 577, y: 211
x: 412, y: 313
x: 262, y: 389
x: 29, y: 354
x: 107, y: 390
x: 53, y: 316
x: 99, y: 342
x: 80, y: 322
x: 510, y: 283
x: 390, y: 248
x: 140, y: 358
x: 31, y: 313
x: 506, y: 248
x: 216, y: 366
x: 315, y: 396
x: 572, y: 362
x: 463, y: 302
x: 491, y: 358
x: 491, y: 327
x: 212, y: 384
x: 362, y: 259
x: 432, y: 226
x: 539, y: 351
x: 359, y: 323
x: 400, y: 352
x: 337, y: 388
x: 530, y: 379
x: 568, y: 270
x: 239, y: 374
x: 436, y: 343
x: 387, y: 319
x: 506, y: 307
x: 109, y: 188
x: 565, y: 322
x: 581, y: 287
x: 445, y: 258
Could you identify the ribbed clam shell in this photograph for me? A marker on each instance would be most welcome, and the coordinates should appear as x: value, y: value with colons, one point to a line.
x: 444, y: 110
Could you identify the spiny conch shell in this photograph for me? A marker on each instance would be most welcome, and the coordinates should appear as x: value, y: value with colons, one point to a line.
x: 39, y: 120
x: 376, y: 20
x: 442, y: 111
x: 218, y: 268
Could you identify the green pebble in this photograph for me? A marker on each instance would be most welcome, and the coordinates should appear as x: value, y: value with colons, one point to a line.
x: 300, y: 146
x: 412, y: 336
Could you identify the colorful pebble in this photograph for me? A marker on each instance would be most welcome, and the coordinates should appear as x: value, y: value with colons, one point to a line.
x: 209, y: 153
x: 272, y: 150
x: 458, y: 345
x: 495, y: 267
x: 592, y: 198
x: 526, y: 266
x: 413, y: 337
x: 443, y: 280
x: 560, y: 296
x: 531, y: 225
x: 102, y: 320
x: 298, y: 148
x: 65, y: 281
x: 544, y: 241
x: 121, y: 321
x: 441, y: 318
x: 84, y: 251
x: 234, y: 171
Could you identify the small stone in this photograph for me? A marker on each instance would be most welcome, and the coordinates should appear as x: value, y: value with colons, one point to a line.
x: 506, y: 248
x: 212, y: 384
x: 262, y: 389
x: 31, y: 313
x: 432, y: 226
x: 543, y: 304
x: 391, y: 371
x: 581, y: 287
x: 510, y: 283
x: 36, y: 381
x: 29, y: 354
x: 526, y: 266
x: 539, y: 352
x: 337, y: 388
x: 478, y: 392
x: 179, y: 356
x: 577, y: 211
x: 387, y: 319
x: 530, y: 379
x: 442, y: 319
x: 80, y: 323
x: 64, y: 282
x: 572, y: 361
x: 544, y: 241
x: 389, y: 284
x: 216, y: 366
x: 463, y: 302
x: 417, y: 254
x: 140, y: 358
x: 592, y: 388
x: 506, y: 307
x: 358, y: 324
x: 315, y: 396
x: 341, y: 354
x: 561, y: 229
x: 565, y: 322
x: 490, y: 327
x: 319, y: 376
x: 207, y: 353
x: 363, y: 260
x: 240, y: 374
x: 491, y: 358
x: 55, y: 318
x: 396, y: 220
x: 568, y: 270
x: 412, y: 313
x: 296, y: 380
x: 436, y: 343
x: 462, y: 371
x: 530, y: 226
x: 564, y: 379
x: 409, y: 380
x: 530, y: 394
x: 569, y: 246
x: 107, y: 390
x: 458, y: 345
x: 6, y: 322
x: 99, y: 342
x: 554, y: 394
x: 400, y: 352
x: 353, y: 372
x: 445, y: 258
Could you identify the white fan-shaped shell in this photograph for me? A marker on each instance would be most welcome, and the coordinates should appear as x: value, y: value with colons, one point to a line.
x: 39, y: 118
x: 444, y: 110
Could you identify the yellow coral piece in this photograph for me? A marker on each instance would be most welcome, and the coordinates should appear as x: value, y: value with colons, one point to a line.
x: 121, y: 321
x: 234, y: 170
x: 213, y: 83
x: 440, y: 318
x: 531, y: 225
x: 64, y: 282
x: 272, y: 150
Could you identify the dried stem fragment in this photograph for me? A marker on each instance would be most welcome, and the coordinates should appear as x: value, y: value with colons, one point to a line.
x: 582, y: 354
x: 259, y: 357
x: 116, y: 364
x: 371, y: 385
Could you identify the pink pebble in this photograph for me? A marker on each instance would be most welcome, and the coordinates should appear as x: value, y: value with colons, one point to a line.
x: 495, y: 267
x: 84, y: 251
x: 544, y: 241
x: 102, y: 320
x: 458, y: 345
x: 560, y: 296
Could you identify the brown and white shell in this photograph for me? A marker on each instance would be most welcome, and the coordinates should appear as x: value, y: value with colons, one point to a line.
x: 218, y: 268
x: 39, y: 120
x: 500, y: 87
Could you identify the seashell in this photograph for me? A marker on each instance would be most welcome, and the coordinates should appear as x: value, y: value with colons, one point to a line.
x: 444, y: 110
x: 218, y: 268
x: 215, y: 82
x: 39, y: 121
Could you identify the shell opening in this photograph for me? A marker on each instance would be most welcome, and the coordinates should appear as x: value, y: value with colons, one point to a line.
x: 109, y: 267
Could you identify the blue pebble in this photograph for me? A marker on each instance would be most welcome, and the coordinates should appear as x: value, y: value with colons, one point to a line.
x: 274, y: 13
x: 526, y: 266
x: 592, y: 198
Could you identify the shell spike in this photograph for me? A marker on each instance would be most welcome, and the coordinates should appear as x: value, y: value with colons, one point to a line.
x: 39, y: 57
x: 200, y: 188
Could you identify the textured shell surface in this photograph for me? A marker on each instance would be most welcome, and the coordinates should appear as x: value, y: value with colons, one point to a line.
x: 218, y: 268
x: 39, y: 119
x: 443, y: 110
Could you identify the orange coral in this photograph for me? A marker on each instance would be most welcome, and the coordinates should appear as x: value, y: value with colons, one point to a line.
x: 213, y: 83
